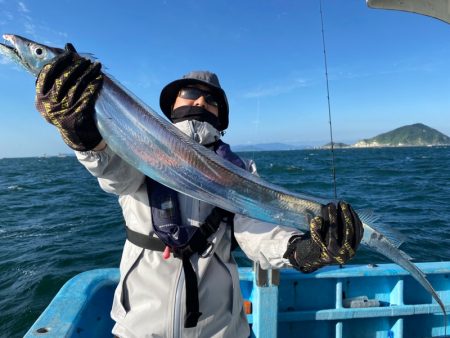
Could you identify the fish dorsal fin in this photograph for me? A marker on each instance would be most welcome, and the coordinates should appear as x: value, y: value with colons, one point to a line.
x: 394, y: 236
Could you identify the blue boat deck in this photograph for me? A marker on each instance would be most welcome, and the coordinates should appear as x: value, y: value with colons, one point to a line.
x: 353, y: 301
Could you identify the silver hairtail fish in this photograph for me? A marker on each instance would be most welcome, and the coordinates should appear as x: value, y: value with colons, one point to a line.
x: 154, y: 146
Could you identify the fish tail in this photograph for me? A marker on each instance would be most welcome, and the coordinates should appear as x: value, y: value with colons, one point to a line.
x: 382, y: 245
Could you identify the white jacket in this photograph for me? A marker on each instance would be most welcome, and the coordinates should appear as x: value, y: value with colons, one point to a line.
x: 149, y: 300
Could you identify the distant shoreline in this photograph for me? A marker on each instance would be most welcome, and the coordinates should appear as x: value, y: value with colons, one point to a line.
x: 386, y: 146
x: 415, y: 135
x: 337, y: 148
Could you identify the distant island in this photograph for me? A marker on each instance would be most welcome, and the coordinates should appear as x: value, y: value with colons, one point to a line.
x: 414, y: 135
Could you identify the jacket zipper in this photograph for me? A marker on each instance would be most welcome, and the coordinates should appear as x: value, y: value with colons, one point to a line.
x: 177, y: 320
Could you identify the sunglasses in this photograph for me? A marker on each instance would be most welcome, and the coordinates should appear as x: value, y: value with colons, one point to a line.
x: 192, y: 93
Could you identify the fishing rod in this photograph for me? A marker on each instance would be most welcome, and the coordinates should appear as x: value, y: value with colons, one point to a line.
x: 333, y: 166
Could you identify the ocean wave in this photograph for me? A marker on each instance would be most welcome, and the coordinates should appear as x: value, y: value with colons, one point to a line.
x: 54, y: 218
x: 15, y: 188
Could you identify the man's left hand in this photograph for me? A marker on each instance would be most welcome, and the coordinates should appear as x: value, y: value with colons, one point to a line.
x: 333, y: 239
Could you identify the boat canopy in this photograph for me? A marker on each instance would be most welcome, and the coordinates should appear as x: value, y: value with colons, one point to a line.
x: 439, y: 9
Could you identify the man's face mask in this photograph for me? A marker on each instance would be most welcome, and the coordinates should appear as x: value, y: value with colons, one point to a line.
x: 194, y: 113
x: 198, y: 123
x: 201, y: 132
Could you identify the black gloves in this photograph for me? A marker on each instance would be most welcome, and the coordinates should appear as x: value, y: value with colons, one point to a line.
x: 333, y: 239
x: 66, y: 90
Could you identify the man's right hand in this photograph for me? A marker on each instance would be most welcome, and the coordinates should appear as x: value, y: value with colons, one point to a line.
x: 66, y: 91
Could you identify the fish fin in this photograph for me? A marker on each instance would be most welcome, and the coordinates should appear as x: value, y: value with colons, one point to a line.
x: 394, y: 236
x: 405, y: 255
x: 383, y: 246
x: 89, y: 56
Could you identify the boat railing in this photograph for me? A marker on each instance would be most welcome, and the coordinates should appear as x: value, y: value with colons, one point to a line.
x: 350, y: 301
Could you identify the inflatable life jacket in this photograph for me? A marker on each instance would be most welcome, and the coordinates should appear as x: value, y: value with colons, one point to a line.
x: 182, y: 240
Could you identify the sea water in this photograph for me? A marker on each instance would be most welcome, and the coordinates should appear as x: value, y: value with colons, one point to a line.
x: 55, y: 221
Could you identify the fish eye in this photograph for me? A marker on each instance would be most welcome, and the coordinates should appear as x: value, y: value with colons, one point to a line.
x: 38, y: 51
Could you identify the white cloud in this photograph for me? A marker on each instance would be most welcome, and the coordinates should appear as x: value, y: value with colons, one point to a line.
x: 22, y: 7
x: 30, y: 28
x: 4, y: 60
x: 62, y: 34
x: 6, y: 16
x: 276, y: 89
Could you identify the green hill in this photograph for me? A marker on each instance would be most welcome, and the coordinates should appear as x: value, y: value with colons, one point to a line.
x: 412, y: 135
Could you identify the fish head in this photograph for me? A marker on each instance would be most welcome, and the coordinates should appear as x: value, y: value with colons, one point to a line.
x: 29, y: 54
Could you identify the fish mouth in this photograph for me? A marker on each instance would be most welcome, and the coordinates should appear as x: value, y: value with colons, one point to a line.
x: 8, y: 49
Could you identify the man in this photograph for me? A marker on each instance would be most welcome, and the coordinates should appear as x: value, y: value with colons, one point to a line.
x: 177, y: 274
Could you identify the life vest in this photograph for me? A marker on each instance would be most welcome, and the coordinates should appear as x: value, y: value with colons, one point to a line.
x: 183, y: 240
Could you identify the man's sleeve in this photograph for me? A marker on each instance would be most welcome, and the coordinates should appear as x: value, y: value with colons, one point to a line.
x: 262, y: 242
x: 114, y: 174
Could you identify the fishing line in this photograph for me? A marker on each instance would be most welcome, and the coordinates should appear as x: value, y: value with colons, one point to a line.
x: 257, y: 122
x: 333, y: 166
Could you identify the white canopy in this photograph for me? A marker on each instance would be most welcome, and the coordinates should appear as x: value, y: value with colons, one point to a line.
x: 439, y: 9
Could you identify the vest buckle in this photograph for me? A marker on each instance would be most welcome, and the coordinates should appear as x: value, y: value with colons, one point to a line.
x: 209, y: 249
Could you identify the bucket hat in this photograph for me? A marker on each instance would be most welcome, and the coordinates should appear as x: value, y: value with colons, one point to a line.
x: 206, y: 78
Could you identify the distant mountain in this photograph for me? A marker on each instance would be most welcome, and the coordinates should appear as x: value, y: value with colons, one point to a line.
x: 412, y: 135
x: 265, y: 147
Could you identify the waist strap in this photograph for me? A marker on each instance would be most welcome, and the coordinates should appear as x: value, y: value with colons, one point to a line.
x: 192, y: 302
x: 144, y: 241
x: 197, y: 244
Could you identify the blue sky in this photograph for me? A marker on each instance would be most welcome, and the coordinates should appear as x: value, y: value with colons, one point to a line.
x: 386, y: 68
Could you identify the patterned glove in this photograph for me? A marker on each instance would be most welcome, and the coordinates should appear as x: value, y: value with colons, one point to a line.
x: 333, y: 239
x: 66, y: 90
